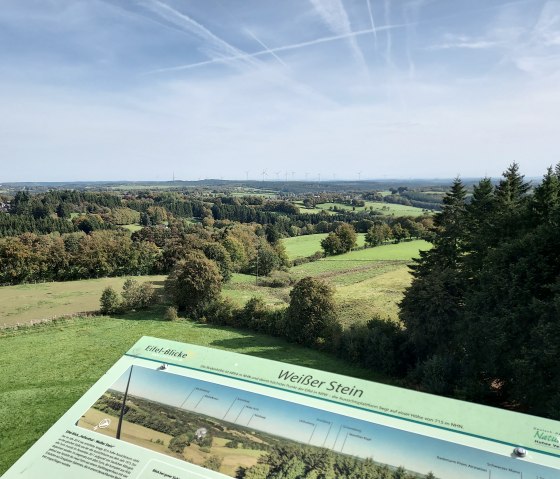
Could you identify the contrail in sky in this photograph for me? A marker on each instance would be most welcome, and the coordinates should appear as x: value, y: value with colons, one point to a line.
x: 388, y: 53
x: 294, y: 46
x: 372, y: 22
x: 335, y: 16
x: 221, y: 51
x: 267, y: 49
x: 220, y: 48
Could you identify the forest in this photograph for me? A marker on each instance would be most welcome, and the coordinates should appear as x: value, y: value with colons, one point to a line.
x: 63, y: 235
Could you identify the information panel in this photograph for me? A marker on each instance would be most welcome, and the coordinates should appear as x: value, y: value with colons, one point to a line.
x: 179, y: 411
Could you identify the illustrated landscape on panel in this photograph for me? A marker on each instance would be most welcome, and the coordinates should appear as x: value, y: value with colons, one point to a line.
x: 238, y: 433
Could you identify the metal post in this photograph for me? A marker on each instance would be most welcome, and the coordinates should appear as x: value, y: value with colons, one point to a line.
x: 257, y: 275
x: 118, y: 436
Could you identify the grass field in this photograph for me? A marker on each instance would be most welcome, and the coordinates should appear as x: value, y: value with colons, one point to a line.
x: 306, y: 245
x: 392, y: 209
x: 386, y: 209
x: 48, y: 367
x: 132, y: 227
x: 300, y: 246
x: 27, y: 302
x: 367, y: 282
x: 242, y: 288
x: 360, y: 277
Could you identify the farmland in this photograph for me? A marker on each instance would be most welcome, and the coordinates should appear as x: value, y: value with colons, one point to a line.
x: 26, y: 302
x: 386, y: 209
x: 300, y: 246
x: 362, y: 280
x: 367, y: 282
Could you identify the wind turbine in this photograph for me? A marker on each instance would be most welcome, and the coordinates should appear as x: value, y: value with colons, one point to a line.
x: 263, y: 175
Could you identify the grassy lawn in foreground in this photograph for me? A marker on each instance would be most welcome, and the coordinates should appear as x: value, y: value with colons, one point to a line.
x: 69, y: 356
x: 27, y: 302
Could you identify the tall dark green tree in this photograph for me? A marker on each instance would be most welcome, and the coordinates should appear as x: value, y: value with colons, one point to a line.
x: 311, y: 316
x: 431, y: 308
x: 511, y: 197
x: 513, y: 299
x: 194, y: 284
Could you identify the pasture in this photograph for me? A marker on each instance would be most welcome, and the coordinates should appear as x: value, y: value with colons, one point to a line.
x: 69, y: 356
x: 306, y: 245
x: 301, y: 246
x: 362, y: 280
x: 132, y: 227
x: 242, y: 288
x: 367, y: 282
x: 26, y: 302
x: 385, y: 209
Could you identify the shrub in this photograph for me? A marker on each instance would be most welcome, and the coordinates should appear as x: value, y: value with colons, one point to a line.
x: 258, y: 316
x: 137, y: 296
x: 222, y: 311
x: 178, y: 443
x: 148, y: 295
x: 278, y: 279
x: 110, y: 301
x: 171, y: 314
x: 130, y: 294
x: 308, y: 259
x: 213, y: 463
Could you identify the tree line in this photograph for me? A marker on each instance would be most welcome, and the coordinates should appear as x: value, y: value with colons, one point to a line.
x: 154, y: 250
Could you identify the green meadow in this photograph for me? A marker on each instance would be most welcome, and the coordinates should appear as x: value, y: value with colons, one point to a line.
x: 386, y: 209
x: 132, y: 227
x: 306, y: 245
x: 27, y: 302
x: 301, y: 246
x: 369, y: 281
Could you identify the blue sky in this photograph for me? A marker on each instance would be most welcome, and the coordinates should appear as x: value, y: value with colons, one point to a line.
x: 322, y: 428
x: 142, y: 89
